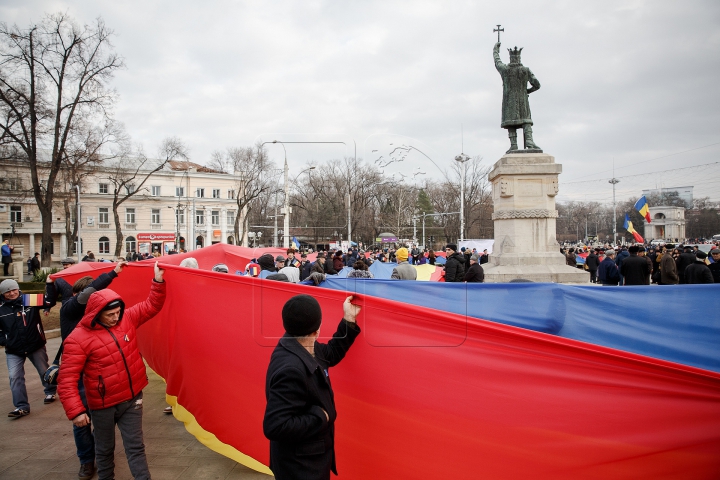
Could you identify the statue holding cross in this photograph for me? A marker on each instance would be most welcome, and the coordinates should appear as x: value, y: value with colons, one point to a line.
x: 516, y: 105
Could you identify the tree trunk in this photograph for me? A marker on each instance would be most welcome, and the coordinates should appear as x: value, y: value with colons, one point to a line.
x: 118, y: 231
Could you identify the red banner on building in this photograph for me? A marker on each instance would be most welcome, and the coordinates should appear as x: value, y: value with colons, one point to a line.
x: 155, y: 237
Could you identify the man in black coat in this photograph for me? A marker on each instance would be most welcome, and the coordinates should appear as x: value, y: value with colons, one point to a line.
x: 715, y: 266
x: 685, y: 259
x: 475, y: 273
x: 635, y: 269
x: 300, y: 413
x: 698, y: 271
x: 593, y: 262
x: 455, y: 264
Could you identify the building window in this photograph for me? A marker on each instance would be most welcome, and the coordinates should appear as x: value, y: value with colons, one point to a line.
x: 155, y: 215
x: 180, y: 217
x: 200, y: 193
x: 215, y: 217
x: 155, y: 190
x: 103, y: 215
x: 9, y: 183
x: 103, y: 188
x: 75, y: 247
x: 129, y: 215
x: 199, y: 217
x: 216, y: 193
x: 130, y: 244
x: 231, y: 194
x: 52, y: 246
x: 179, y: 191
x: 130, y: 188
x: 231, y: 218
x: 104, y: 245
x: 15, y: 214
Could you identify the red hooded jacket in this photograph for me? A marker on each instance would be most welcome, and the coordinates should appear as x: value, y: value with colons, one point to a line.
x: 109, y: 358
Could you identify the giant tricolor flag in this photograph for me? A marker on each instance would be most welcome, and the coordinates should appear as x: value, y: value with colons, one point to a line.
x: 642, y: 206
x: 629, y: 227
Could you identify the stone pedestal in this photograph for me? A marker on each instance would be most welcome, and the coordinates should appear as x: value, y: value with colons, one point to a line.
x: 524, y: 187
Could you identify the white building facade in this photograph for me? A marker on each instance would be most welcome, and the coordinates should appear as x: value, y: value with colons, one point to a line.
x: 184, y: 203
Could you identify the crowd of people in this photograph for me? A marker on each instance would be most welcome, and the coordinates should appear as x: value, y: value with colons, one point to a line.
x: 642, y: 264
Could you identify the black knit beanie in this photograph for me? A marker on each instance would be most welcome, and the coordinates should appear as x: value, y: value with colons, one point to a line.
x: 301, y: 315
x: 267, y: 262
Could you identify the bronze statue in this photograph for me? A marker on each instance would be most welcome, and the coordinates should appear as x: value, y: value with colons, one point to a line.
x: 516, y: 107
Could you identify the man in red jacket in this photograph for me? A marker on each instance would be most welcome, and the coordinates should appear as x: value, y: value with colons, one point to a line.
x: 103, y: 347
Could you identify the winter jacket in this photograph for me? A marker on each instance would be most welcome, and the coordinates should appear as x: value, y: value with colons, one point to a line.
x: 338, y: 264
x: 715, y: 270
x: 608, y: 272
x: 635, y: 270
x: 297, y: 390
x: 73, y: 309
x: 404, y: 271
x: 59, y: 286
x: 21, y: 328
x: 668, y: 270
x: 684, y: 260
x: 592, y: 261
x: 698, y: 272
x: 455, y: 268
x: 108, y: 357
x: 475, y: 274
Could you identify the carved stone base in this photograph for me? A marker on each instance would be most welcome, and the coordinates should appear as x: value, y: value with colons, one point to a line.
x: 525, y: 183
x: 527, y: 150
x: 535, y: 273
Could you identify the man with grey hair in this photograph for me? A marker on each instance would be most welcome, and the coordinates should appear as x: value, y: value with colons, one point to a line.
x: 608, y: 272
x: 22, y: 335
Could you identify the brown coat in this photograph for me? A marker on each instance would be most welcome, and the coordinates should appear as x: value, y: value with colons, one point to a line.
x: 668, y: 270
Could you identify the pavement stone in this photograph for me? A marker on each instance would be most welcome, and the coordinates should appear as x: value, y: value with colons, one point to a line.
x: 41, y: 445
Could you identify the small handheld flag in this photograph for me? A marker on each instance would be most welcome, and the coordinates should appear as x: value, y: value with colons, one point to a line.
x: 33, y: 300
x: 629, y: 227
x: 642, y: 207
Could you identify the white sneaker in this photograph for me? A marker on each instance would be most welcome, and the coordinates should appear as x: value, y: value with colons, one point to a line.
x: 49, y: 399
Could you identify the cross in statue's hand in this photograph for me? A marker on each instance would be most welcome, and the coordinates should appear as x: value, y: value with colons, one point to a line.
x: 498, y: 30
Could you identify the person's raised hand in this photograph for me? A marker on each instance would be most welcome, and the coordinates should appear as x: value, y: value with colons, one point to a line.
x: 350, y: 311
x: 159, y: 272
x: 120, y: 265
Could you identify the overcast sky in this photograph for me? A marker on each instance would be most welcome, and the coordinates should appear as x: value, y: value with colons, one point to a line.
x: 634, y: 82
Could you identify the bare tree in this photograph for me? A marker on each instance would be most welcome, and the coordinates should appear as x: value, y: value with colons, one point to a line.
x: 83, y: 157
x: 51, y: 75
x: 255, y: 175
x: 129, y: 173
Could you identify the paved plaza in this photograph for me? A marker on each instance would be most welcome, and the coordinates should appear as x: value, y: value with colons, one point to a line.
x: 41, y: 446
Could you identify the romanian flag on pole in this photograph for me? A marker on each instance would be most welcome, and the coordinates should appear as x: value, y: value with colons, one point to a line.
x: 629, y: 227
x: 33, y: 300
x: 642, y: 207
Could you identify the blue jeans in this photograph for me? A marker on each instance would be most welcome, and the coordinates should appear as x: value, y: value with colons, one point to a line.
x: 16, y: 372
x: 84, y: 440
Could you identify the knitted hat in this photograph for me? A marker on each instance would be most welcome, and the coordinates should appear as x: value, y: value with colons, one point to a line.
x: 473, y: 258
x: 7, y: 285
x: 451, y: 246
x: 301, y: 315
x: 402, y: 254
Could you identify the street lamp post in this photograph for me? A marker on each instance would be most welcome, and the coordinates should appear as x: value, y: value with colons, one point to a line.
x: 463, y: 159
